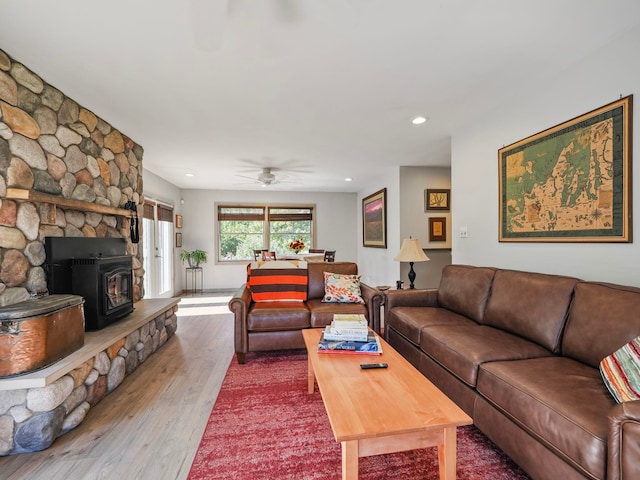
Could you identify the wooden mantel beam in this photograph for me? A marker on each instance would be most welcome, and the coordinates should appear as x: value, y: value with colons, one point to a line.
x: 39, y: 197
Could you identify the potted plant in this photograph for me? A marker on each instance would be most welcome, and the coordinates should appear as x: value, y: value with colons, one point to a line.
x: 194, y: 258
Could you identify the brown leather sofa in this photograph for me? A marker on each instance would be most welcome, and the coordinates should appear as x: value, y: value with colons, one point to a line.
x: 267, y: 326
x: 519, y: 352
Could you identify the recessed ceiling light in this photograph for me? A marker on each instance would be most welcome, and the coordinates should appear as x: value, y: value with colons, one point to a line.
x: 419, y: 120
x: 348, y: 179
x: 188, y: 174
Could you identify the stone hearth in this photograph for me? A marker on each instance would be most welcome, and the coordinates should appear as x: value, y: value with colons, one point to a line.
x: 38, y: 407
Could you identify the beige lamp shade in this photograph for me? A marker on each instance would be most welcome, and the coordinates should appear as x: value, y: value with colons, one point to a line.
x: 411, y: 251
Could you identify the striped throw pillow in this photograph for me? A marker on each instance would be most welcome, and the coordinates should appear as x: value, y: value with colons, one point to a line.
x: 621, y: 372
x: 278, y: 281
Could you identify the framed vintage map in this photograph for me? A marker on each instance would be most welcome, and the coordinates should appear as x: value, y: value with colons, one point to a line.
x: 570, y: 183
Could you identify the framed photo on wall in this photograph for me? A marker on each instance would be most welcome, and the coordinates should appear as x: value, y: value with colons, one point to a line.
x: 437, y: 229
x: 437, y: 199
x: 571, y: 182
x: 178, y: 239
x: 178, y: 221
x: 374, y: 220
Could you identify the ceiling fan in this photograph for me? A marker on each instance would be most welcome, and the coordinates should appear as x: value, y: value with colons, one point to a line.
x: 265, y: 178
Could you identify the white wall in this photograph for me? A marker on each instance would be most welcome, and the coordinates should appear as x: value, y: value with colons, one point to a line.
x: 376, y: 265
x: 159, y: 189
x: 553, y: 98
x: 414, y: 222
x: 336, y: 226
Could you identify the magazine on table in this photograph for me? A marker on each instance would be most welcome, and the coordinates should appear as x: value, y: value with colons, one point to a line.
x: 370, y: 347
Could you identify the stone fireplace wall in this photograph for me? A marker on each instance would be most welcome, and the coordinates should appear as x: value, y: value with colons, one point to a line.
x: 52, y: 145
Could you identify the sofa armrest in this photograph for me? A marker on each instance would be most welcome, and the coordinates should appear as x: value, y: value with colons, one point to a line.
x: 624, y: 441
x: 411, y: 298
x: 239, y: 306
x: 374, y: 300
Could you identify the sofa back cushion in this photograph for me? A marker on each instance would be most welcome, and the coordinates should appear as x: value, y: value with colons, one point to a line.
x: 465, y: 289
x: 603, y: 317
x: 277, y: 281
x: 316, y: 275
x: 531, y: 305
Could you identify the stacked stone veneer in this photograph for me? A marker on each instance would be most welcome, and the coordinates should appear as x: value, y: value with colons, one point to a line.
x: 31, y: 419
x: 51, y: 144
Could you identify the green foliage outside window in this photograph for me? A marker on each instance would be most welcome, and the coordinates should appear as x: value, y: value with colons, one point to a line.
x: 245, y: 229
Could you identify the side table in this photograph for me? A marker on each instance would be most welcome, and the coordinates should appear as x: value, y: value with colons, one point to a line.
x: 192, y: 272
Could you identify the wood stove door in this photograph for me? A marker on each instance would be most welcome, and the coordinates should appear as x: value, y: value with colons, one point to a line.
x: 118, y: 289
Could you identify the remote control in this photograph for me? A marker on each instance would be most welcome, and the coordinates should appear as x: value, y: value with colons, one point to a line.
x: 367, y: 366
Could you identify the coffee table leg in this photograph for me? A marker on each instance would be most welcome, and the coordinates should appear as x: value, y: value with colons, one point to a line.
x: 447, y: 455
x: 311, y: 377
x: 350, y: 460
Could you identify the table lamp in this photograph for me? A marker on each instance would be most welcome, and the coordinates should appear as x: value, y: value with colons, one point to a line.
x: 411, y: 252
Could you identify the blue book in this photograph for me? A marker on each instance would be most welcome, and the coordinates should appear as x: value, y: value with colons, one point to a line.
x: 371, y: 346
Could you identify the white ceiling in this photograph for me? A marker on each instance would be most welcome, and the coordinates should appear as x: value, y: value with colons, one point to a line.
x: 322, y: 89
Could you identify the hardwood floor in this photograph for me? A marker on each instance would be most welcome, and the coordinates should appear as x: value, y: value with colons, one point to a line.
x: 151, y: 425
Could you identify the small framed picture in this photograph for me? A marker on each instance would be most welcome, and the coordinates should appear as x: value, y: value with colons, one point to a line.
x: 178, y: 221
x: 438, y: 229
x: 178, y: 239
x: 437, y: 199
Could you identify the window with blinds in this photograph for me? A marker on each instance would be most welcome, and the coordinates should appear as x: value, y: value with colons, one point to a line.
x: 243, y: 229
x: 164, y: 212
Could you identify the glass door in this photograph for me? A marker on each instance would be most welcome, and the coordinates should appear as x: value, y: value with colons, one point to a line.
x: 157, y: 251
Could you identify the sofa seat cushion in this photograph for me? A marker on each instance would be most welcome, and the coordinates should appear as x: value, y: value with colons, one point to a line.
x: 559, y: 401
x: 273, y: 316
x: 322, y: 313
x: 461, y: 349
x: 409, y: 321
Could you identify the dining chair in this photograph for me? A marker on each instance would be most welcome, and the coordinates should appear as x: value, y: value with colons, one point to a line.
x: 257, y: 254
x: 266, y: 255
x: 330, y: 256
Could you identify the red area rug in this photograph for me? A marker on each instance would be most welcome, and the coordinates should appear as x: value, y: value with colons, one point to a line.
x: 265, y: 426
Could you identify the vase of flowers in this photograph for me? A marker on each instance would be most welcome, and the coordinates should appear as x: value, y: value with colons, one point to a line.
x: 297, y: 245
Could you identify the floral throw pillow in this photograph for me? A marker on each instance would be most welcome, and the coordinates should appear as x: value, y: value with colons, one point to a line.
x: 342, y: 288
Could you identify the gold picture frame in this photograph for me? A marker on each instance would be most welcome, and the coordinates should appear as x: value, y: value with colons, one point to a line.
x: 571, y: 182
x: 437, y: 229
x: 374, y: 220
x: 178, y: 221
x: 437, y: 199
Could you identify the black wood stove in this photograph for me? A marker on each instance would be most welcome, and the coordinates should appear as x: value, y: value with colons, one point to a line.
x: 98, y: 269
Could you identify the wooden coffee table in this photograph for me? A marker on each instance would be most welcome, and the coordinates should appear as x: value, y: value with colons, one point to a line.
x: 373, y: 412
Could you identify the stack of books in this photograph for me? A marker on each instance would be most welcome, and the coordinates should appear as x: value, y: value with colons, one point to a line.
x: 349, y: 334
